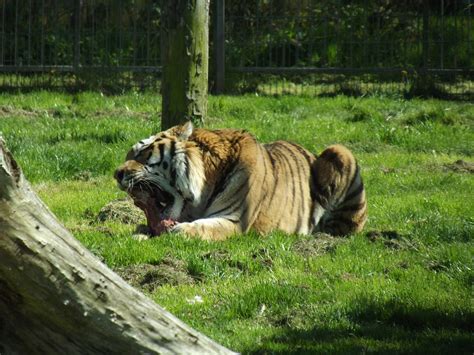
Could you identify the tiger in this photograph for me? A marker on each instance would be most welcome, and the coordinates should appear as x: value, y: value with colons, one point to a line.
x: 212, y: 184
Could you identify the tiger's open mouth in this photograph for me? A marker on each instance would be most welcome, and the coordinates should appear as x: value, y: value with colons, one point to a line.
x: 156, y: 204
x: 162, y: 198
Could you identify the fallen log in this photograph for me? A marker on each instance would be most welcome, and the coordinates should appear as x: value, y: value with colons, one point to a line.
x: 57, y: 297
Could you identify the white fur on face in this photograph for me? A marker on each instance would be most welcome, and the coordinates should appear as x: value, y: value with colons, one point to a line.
x: 143, y: 144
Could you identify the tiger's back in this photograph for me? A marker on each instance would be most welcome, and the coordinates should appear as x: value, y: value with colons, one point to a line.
x: 306, y: 193
x: 286, y: 203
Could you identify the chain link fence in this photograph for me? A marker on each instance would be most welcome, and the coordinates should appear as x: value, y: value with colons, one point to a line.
x: 309, y: 47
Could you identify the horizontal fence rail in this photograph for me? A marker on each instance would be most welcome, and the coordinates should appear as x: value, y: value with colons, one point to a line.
x: 308, y: 47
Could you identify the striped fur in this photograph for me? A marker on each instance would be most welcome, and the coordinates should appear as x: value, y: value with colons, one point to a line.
x: 223, y: 182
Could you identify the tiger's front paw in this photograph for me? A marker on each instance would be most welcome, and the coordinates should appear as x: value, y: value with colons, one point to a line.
x: 186, y: 228
x: 207, y: 229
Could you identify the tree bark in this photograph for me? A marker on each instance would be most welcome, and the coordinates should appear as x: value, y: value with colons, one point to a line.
x: 57, y: 297
x: 184, y: 56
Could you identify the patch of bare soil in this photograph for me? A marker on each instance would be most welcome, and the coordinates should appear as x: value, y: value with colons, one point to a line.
x: 460, y: 166
x: 391, y: 239
x: 6, y: 111
x: 317, y: 244
x: 122, y: 210
x: 145, y: 116
x: 148, y: 277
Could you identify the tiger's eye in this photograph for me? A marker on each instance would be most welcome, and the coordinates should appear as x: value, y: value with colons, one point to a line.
x: 165, y: 165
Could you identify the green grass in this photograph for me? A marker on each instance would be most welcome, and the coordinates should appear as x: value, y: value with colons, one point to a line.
x: 406, y: 287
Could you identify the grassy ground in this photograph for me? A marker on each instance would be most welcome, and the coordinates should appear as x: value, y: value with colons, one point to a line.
x: 403, y: 285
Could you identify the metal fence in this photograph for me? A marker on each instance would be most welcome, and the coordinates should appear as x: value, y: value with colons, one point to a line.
x: 356, y: 47
x: 79, y: 44
x: 309, y: 47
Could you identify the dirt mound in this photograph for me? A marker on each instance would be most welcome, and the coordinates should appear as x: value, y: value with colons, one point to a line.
x: 391, y: 239
x: 460, y: 166
x: 148, y: 277
x: 316, y: 245
x: 123, y: 211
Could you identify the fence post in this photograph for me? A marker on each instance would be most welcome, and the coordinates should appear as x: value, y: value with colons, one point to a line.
x: 219, y: 47
x: 423, y: 84
x: 77, y: 35
x: 426, y: 33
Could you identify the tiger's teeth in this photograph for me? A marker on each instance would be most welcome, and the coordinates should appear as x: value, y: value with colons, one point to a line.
x: 162, y: 204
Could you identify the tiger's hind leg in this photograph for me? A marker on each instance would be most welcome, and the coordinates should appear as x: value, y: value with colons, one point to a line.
x: 338, y: 192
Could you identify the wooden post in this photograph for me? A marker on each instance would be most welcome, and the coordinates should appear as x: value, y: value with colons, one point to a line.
x: 185, y: 52
x: 219, y: 47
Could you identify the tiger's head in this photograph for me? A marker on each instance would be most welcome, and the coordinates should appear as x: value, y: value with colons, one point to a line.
x: 164, y: 172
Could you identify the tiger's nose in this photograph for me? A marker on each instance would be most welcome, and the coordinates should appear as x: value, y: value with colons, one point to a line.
x: 119, y: 174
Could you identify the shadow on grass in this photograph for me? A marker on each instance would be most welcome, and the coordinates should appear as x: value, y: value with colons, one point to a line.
x: 370, y: 337
x: 422, y: 331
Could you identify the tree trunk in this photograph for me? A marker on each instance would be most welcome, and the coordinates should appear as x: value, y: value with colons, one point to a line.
x: 57, y: 297
x: 184, y: 53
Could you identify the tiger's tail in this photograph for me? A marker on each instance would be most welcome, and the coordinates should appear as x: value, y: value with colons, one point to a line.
x: 338, y: 191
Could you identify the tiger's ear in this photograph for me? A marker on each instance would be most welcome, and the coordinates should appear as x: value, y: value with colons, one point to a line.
x: 142, y: 145
x: 185, y: 131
